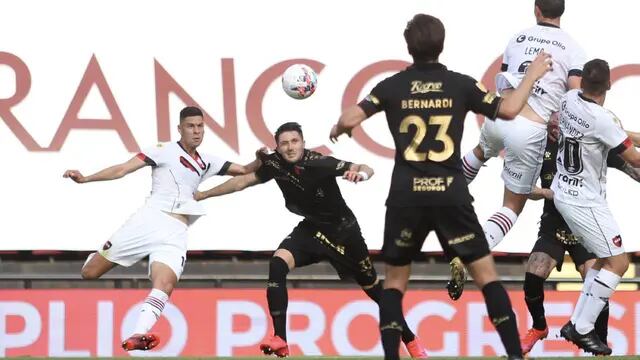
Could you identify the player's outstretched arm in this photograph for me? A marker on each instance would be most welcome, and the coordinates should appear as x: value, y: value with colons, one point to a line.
x: 358, y: 173
x: 349, y: 119
x: 635, y: 137
x: 110, y: 173
x: 513, y: 104
x: 539, y: 193
x: 237, y: 183
x: 631, y: 156
x: 235, y: 169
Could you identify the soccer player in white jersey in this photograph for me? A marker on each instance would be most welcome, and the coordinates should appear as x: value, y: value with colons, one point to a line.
x: 159, y: 228
x: 523, y: 138
x: 588, y: 133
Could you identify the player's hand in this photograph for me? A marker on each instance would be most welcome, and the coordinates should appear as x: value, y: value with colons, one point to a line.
x: 353, y: 176
x: 335, y: 132
x: 197, y: 196
x: 74, y: 175
x: 262, y: 152
x: 540, y: 65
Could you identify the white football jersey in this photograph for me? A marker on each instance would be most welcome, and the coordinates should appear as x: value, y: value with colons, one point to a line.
x: 588, y: 132
x: 568, y: 59
x: 176, y: 176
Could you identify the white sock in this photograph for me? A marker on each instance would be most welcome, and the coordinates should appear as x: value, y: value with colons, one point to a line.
x: 470, y: 166
x: 151, y: 311
x: 586, y: 287
x: 602, y: 288
x: 499, y: 225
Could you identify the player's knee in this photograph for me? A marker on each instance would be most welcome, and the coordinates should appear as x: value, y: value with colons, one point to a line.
x: 540, y: 265
x: 164, y: 285
x: 278, y: 269
x: 89, y: 273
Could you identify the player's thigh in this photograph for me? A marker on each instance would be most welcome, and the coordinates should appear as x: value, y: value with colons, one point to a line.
x: 355, y: 262
x: 491, y: 138
x: 169, y: 247
x: 581, y: 257
x: 548, y: 251
x: 301, y: 246
x: 595, y: 228
x: 459, y: 232
x: 96, y: 266
x: 134, y: 240
x: 405, y: 229
x: 523, y: 156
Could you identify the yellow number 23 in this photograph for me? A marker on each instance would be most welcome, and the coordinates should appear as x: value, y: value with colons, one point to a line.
x: 411, y: 153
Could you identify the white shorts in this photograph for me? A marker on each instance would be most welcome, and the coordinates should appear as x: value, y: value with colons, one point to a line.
x: 149, y: 232
x: 524, y: 142
x: 595, y: 228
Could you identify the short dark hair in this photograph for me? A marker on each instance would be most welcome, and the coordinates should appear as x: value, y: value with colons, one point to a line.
x: 288, y: 126
x: 551, y: 9
x: 424, y: 35
x: 596, y: 77
x: 190, y: 111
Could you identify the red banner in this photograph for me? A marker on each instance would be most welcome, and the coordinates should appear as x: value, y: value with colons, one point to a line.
x: 232, y: 322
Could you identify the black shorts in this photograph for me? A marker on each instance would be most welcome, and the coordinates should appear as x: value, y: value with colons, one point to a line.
x: 346, y: 251
x: 457, y: 228
x: 552, y: 228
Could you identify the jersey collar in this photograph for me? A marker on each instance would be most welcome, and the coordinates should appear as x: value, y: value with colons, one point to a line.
x: 428, y: 66
x: 586, y: 98
x: 197, y: 159
x: 542, y: 23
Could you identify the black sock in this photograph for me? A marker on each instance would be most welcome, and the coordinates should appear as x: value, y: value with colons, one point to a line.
x: 534, y: 297
x: 602, y: 323
x: 374, y: 294
x: 277, y: 295
x: 502, y: 316
x: 390, y: 322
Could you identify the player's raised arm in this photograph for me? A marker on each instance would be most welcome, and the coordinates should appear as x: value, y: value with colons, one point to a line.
x: 349, y: 119
x: 237, y: 183
x: 513, y: 104
x: 110, y: 173
x: 236, y: 169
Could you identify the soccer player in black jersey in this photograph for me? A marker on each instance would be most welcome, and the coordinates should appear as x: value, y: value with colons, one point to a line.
x: 554, y: 239
x: 329, y: 230
x: 425, y: 106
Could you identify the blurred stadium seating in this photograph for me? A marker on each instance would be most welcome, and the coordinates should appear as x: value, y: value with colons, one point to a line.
x: 246, y: 269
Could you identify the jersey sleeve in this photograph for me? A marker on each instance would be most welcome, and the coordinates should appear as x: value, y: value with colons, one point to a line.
x: 153, y: 156
x: 264, y: 172
x: 577, y: 59
x: 329, y: 166
x: 611, y: 133
x: 374, y: 102
x: 479, y: 100
x: 215, y: 166
x: 614, y: 160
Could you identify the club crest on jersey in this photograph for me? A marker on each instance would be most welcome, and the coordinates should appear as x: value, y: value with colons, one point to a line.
x: 617, y: 240
x: 372, y: 99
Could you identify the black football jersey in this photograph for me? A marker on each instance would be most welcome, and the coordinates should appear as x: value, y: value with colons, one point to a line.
x: 309, y: 187
x: 426, y: 106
